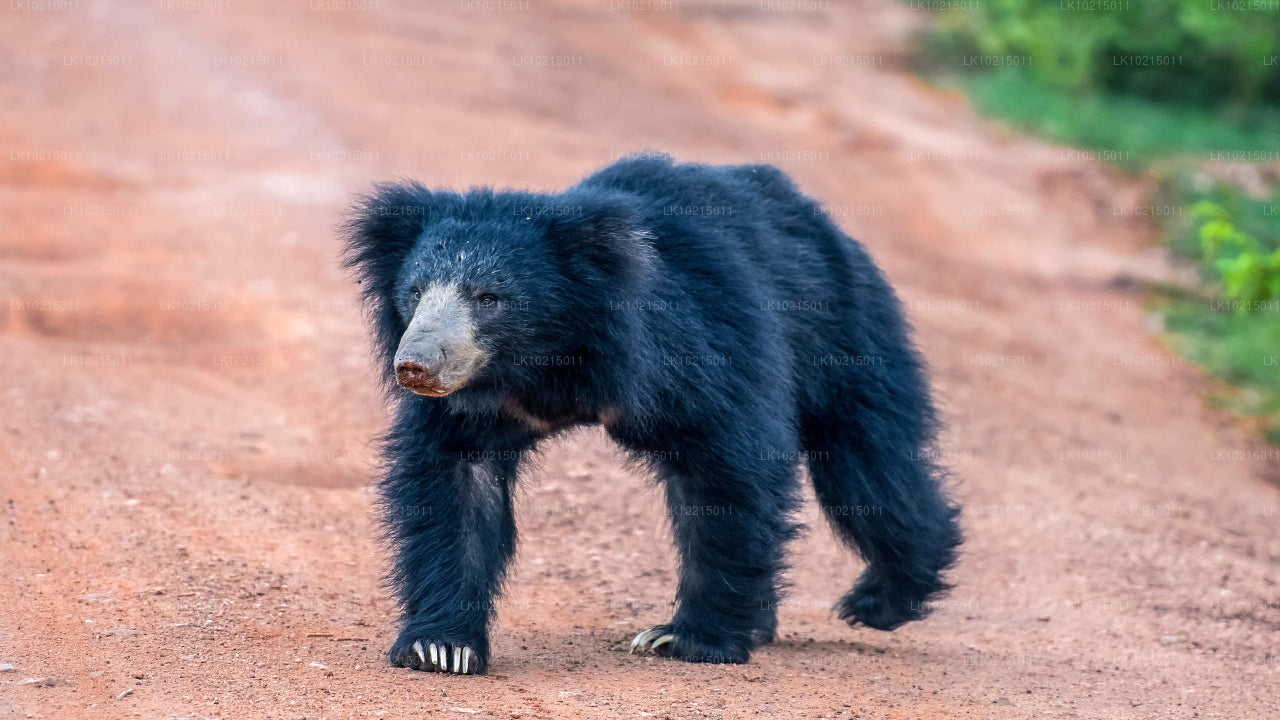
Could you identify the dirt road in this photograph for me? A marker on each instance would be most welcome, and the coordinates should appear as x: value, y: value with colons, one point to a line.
x: 188, y: 404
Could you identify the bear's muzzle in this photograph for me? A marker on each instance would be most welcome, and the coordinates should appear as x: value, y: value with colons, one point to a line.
x: 438, y: 353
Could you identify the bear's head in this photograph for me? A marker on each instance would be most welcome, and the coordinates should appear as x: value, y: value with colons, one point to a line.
x: 478, y: 288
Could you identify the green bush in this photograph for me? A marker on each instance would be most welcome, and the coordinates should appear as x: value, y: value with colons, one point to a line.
x: 1156, y: 86
x: 1230, y: 327
x: 1250, y: 273
x: 1186, y: 51
x: 1257, y: 217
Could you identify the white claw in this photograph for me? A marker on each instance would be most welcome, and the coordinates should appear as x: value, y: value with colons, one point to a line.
x: 417, y: 648
x: 643, y: 639
x: 457, y: 658
x: 662, y: 641
x: 435, y: 656
x: 466, y: 660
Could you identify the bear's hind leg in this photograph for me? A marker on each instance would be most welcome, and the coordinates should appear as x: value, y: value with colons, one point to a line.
x: 882, y: 494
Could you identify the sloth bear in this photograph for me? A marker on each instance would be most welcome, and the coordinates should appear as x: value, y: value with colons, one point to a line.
x: 719, y: 327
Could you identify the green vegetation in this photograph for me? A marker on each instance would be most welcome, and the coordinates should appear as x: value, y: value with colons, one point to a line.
x: 1174, y: 51
x: 1233, y: 330
x: 1238, y: 349
x: 1134, y: 131
x: 1256, y: 217
x: 1161, y: 87
x: 1249, y: 271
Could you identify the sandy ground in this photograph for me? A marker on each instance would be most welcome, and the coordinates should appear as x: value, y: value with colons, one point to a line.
x: 188, y: 405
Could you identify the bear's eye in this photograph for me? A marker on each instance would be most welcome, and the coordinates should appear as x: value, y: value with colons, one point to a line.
x: 488, y: 300
x: 416, y: 293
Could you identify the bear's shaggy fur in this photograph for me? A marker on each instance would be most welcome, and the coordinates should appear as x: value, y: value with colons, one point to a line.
x: 717, y: 324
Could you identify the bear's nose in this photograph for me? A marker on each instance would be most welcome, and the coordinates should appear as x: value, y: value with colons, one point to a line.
x: 419, y: 365
x: 411, y: 374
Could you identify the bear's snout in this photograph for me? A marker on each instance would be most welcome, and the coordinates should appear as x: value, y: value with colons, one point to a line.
x: 438, y: 353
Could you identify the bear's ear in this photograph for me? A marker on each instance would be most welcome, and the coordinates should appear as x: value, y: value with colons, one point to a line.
x: 603, y: 237
x: 380, y: 230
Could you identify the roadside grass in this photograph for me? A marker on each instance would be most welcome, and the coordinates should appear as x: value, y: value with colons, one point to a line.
x: 1184, y: 187
x: 1240, y: 349
x: 1234, y: 342
x: 1132, y: 132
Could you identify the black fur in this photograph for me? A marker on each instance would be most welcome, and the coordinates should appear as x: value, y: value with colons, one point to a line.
x: 722, y: 328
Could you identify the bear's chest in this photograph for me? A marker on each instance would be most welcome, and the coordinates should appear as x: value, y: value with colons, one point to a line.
x: 547, y: 419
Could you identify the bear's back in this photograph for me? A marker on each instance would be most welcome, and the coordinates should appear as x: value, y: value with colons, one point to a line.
x: 761, y: 260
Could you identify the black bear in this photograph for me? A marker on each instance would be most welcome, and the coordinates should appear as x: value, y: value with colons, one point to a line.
x: 723, y: 331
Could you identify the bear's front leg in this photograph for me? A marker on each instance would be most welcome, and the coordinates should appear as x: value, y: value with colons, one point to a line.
x: 731, y: 516
x: 450, y: 522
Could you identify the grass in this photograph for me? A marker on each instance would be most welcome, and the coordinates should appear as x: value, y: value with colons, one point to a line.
x: 1259, y: 217
x: 1238, y: 349
x: 1139, y: 132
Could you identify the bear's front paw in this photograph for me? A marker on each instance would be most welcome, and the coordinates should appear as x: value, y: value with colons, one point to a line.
x: 666, y: 641
x: 433, y: 655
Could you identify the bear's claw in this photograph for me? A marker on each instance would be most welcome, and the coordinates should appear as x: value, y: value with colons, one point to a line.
x: 652, y: 639
x: 667, y: 641
x: 441, y: 657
